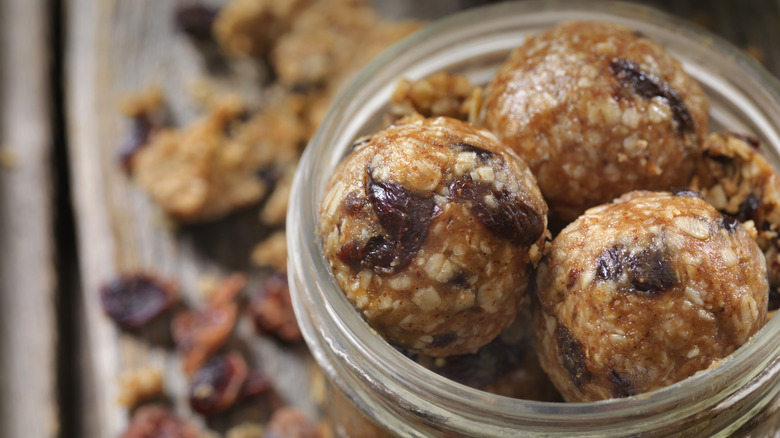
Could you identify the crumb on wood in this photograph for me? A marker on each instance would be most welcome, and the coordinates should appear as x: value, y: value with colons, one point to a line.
x: 275, y: 209
x: 139, y: 103
x: 272, y: 252
x: 138, y: 385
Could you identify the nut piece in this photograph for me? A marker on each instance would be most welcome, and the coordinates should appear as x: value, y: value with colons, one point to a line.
x: 430, y: 228
x: 139, y: 385
x: 597, y: 110
x: 642, y: 293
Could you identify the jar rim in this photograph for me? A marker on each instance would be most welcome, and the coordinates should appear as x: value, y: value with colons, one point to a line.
x: 418, y: 383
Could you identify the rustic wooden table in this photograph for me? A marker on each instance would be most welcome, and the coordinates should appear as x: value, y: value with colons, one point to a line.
x: 70, y: 220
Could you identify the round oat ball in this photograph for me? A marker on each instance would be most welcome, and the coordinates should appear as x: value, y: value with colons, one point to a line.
x: 644, y: 292
x: 597, y: 110
x: 431, y: 229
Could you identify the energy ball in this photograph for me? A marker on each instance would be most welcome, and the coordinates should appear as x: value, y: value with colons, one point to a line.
x: 644, y: 292
x: 430, y: 229
x: 597, y: 110
x: 735, y: 177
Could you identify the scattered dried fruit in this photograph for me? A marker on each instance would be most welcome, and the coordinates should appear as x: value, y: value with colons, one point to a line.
x: 272, y: 312
x: 158, y: 422
x: 218, y: 384
x: 133, y: 300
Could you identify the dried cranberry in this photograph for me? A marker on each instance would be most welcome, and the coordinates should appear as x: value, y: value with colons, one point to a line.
x: 195, y: 20
x: 291, y: 423
x: 134, y: 300
x: 272, y: 312
x: 509, y: 218
x: 158, y: 422
x: 630, y: 75
x: 199, y: 333
x: 218, y: 384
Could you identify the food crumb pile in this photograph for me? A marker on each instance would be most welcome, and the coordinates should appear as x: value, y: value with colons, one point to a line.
x: 668, y: 248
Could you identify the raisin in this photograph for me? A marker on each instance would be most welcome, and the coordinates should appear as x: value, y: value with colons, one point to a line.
x: 351, y: 254
x: 749, y: 208
x: 609, y: 264
x: 200, y: 333
x: 629, y: 74
x: 573, y: 357
x: 134, y: 300
x: 140, y: 134
x: 730, y: 223
x: 195, y: 20
x: 509, y: 219
x: 291, y: 423
x: 682, y: 191
x: 218, y: 384
x: 158, y: 422
x: 483, y: 155
x: 353, y: 204
x: 651, y: 272
x: 405, y: 217
x: 378, y: 253
x: 621, y: 386
x: 272, y: 312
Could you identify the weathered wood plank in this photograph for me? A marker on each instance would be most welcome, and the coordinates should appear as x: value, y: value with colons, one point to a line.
x: 28, y: 406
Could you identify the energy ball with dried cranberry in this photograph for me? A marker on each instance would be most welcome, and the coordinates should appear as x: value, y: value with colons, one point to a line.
x: 597, y: 110
x: 644, y: 292
x: 431, y: 228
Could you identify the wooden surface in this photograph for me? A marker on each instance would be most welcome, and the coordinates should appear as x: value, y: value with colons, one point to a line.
x: 113, y: 46
x: 28, y: 407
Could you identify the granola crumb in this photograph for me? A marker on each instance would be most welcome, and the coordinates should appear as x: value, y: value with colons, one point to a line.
x: 272, y: 252
x: 275, y: 210
x: 139, y: 103
x: 139, y: 385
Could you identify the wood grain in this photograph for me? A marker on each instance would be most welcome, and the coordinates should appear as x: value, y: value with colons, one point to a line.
x: 28, y: 406
x: 114, y: 47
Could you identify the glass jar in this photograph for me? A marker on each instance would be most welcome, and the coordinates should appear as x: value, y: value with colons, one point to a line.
x: 739, y: 397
